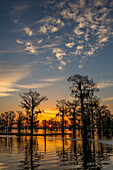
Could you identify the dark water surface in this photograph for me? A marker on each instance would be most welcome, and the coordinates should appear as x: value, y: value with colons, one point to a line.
x: 25, y: 152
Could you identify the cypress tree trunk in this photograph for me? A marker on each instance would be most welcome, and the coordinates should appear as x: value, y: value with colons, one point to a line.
x: 84, y: 122
x: 92, y: 124
x: 32, y: 122
x: 63, y: 124
x: 74, y: 124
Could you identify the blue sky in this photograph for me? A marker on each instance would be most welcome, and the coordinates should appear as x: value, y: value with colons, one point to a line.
x: 44, y: 42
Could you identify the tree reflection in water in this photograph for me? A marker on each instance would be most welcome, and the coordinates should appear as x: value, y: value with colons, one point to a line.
x: 90, y: 155
x: 39, y: 153
x: 32, y: 155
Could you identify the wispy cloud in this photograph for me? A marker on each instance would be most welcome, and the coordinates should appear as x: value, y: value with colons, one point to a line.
x: 52, y: 79
x: 28, y: 31
x: 50, y: 24
x: 48, y: 28
x: 70, y: 45
x: 30, y: 48
x: 68, y: 14
x: 19, y: 42
x: 59, y: 55
x: 4, y: 94
x: 105, y: 39
x: 80, y: 22
x: 79, y: 49
x: 50, y: 45
x: 19, y: 6
x: 90, y: 23
x: 39, y: 41
x: 107, y: 99
x: 33, y: 86
x: 11, y: 51
x: 10, y: 76
x: 78, y: 31
x: 104, y: 84
x: 81, y: 66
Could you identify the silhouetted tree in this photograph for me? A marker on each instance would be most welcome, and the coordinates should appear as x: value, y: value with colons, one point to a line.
x: 107, y: 123
x: 4, y: 120
x: 91, y: 107
x: 20, y: 121
x: 62, y: 107
x: 8, y: 119
x: 82, y: 87
x: 100, y: 113
x: 30, y: 101
x: 12, y: 116
x: 73, y: 114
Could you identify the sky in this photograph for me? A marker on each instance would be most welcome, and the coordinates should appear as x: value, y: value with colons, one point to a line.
x: 43, y: 42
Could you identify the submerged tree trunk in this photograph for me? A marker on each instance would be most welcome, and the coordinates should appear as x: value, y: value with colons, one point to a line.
x: 99, y: 125
x: 84, y: 123
x: 92, y: 124
x: 31, y: 149
x: 74, y: 125
x: 32, y: 122
x: 63, y: 124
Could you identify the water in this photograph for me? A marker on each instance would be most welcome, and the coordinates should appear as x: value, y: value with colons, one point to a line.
x: 25, y: 152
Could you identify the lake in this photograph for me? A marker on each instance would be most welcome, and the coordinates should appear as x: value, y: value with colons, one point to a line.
x: 54, y: 152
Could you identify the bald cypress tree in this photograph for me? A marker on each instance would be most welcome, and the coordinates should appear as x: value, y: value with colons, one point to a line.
x: 62, y: 107
x: 30, y: 102
x: 82, y: 87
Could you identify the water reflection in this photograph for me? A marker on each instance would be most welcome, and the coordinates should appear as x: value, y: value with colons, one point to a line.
x: 32, y: 154
x: 28, y: 152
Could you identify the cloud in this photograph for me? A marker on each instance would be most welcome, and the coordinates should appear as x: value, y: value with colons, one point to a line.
x: 10, y: 75
x: 93, y: 26
x: 105, y: 39
x: 79, y: 47
x: 59, y: 53
x: 78, y: 31
x: 39, y: 41
x: 61, y: 4
x: 63, y: 63
x: 82, y: 3
x: 28, y: 31
x: 11, y: 51
x: 81, y: 66
x: 35, y: 85
x: 30, y: 47
x: 4, y: 94
x: 60, y: 67
x: 79, y: 50
x: 104, y: 84
x: 21, y: 6
x: 98, y: 3
x: 52, y: 79
x: 88, y: 25
x: 48, y: 28
x: 107, y: 99
x: 50, y: 45
x: 69, y: 45
x: 18, y: 7
x: 51, y: 20
x: 19, y: 42
x: 50, y: 24
x: 68, y: 14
